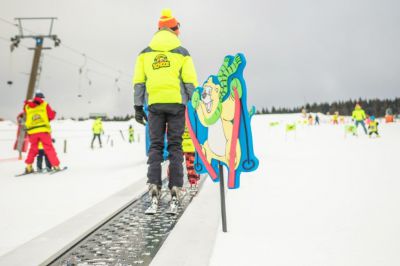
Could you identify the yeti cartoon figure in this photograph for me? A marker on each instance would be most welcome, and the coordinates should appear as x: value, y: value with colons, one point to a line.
x: 219, y: 123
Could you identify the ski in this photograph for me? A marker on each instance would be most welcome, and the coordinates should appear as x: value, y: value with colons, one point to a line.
x: 25, y: 174
x: 174, y: 204
x: 173, y: 207
x: 193, y: 190
x: 43, y: 171
x: 57, y: 171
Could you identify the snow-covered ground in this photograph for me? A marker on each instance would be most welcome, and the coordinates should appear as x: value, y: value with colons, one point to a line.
x: 32, y: 204
x: 318, y: 198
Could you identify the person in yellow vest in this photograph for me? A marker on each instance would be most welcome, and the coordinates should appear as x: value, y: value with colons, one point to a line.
x: 188, y: 151
x: 335, y: 118
x: 164, y: 79
x: 97, y: 129
x: 38, y: 115
x: 131, y: 134
x: 39, y: 159
x: 359, y: 116
x: 373, y: 126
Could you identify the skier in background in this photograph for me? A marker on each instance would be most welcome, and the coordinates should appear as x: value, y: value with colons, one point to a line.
x: 188, y: 151
x: 165, y: 74
x: 373, y: 127
x: 131, y: 134
x: 367, y: 120
x: 316, y: 119
x: 39, y: 159
x: 38, y: 115
x: 335, y: 118
x: 97, y: 129
x: 359, y: 116
x: 310, y: 120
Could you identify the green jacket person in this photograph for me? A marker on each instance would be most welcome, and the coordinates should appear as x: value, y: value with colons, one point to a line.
x: 97, y: 129
x: 164, y: 79
x: 359, y: 116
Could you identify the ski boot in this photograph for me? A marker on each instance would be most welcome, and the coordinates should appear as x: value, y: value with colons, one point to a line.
x: 175, y: 200
x: 193, y: 181
x: 29, y: 169
x: 155, y: 194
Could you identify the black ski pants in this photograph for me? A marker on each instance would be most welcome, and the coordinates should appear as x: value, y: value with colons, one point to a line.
x: 94, y: 137
x: 39, y: 160
x: 170, y: 119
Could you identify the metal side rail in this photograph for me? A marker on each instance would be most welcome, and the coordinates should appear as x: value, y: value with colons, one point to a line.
x: 130, y: 237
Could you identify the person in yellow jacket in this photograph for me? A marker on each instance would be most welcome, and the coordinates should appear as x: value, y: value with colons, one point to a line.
x: 97, y: 129
x: 188, y: 152
x: 164, y: 79
x: 359, y: 116
x: 335, y: 118
x: 131, y: 134
x: 373, y: 126
x: 38, y: 114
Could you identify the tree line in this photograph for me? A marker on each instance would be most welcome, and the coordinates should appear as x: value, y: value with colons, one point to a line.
x: 376, y: 107
x: 106, y: 118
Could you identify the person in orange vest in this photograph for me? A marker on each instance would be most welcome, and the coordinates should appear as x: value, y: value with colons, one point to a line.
x: 310, y: 120
x: 38, y: 115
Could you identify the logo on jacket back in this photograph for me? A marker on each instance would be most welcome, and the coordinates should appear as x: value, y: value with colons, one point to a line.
x: 161, y: 61
x: 36, y: 119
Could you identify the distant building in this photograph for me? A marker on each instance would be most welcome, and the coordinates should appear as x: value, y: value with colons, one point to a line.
x: 96, y: 115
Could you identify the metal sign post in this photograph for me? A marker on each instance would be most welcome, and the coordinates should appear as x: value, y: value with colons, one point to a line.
x: 222, y: 193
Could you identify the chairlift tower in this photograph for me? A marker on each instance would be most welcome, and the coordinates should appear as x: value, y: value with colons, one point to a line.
x: 39, y: 40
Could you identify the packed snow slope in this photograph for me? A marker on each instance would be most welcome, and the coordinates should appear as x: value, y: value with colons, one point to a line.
x: 318, y: 198
x: 30, y: 205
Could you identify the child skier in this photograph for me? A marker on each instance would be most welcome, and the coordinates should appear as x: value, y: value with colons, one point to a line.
x: 373, y: 126
x: 310, y: 120
x: 316, y: 119
x: 335, y: 118
x: 188, y: 151
x: 39, y: 159
x: 131, y: 134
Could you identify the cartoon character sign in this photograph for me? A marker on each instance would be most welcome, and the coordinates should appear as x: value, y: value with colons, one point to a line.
x: 219, y: 123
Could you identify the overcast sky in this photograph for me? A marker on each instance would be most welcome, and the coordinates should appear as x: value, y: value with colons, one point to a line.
x: 297, y: 50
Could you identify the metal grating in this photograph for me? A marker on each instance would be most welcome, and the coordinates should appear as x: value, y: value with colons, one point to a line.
x: 129, y: 238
